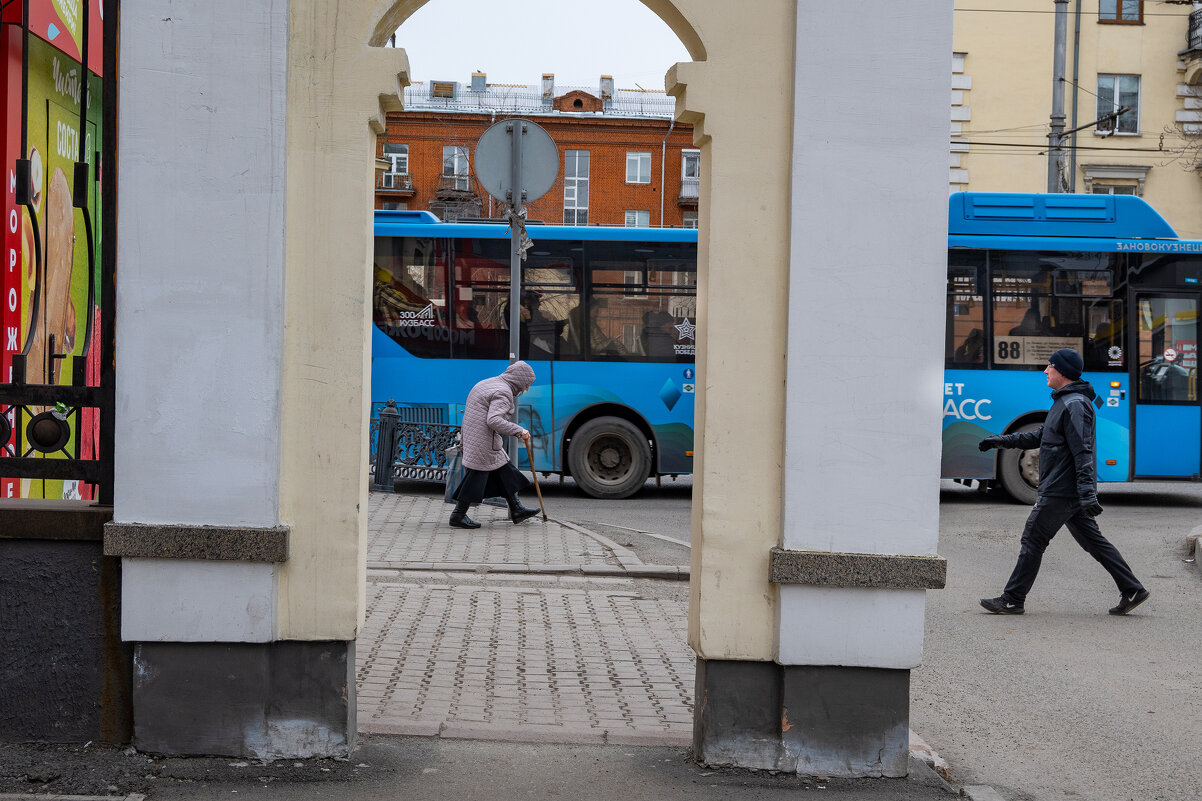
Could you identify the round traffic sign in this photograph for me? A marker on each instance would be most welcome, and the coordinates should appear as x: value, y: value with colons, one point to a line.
x: 494, y: 159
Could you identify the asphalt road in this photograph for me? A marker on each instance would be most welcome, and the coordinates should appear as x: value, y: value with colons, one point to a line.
x: 1065, y: 702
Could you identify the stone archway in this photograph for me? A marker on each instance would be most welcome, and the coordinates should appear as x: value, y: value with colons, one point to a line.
x: 821, y: 159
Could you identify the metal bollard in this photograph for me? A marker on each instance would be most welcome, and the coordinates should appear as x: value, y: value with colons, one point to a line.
x: 386, y: 447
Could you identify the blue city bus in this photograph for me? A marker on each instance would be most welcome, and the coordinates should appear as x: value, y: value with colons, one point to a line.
x: 1104, y: 274
x: 608, y: 323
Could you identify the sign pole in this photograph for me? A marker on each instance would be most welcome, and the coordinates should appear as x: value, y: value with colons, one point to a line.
x: 516, y: 231
x: 515, y: 128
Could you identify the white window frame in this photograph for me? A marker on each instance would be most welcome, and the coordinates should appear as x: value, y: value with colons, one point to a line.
x: 638, y: 166
x: 1115, y: 104
x: 633, y: 216
x: 575, y: 188
x: 687, y: 157
x: 689, y: 219
x: 399, y: 159
x: 457, y: 156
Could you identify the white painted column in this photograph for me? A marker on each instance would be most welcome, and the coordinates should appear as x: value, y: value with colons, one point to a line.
x: 200, y: 304
x: 866, y: 306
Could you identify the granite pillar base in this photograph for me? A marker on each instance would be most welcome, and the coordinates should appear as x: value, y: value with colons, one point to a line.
x: 823, y: 721
x: 276, y: 700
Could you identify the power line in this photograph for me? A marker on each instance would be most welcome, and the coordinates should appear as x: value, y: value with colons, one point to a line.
x: 1064, y: 147
x: 1039, y: 11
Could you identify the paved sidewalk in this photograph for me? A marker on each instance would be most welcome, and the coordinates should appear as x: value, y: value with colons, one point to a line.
x: 535, y: 632
x: 544, y: 632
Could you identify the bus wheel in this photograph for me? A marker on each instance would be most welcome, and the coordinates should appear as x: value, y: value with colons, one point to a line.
x: 610, y: 458
x: 1018, y: 470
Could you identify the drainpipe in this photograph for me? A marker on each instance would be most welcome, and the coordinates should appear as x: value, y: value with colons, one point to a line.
x: 663, y: 161
x: 1072, y: 158
x: 490, y: 124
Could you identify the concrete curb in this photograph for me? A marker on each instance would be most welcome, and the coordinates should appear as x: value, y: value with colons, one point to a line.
x: 529, y: 733
x: 981, y: 792
x: 669, y: 572
x: 44, y: 797
x: 1193, y: 546
x: 920, y: 749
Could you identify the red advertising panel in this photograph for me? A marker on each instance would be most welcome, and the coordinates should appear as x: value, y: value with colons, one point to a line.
x: 55, y: 139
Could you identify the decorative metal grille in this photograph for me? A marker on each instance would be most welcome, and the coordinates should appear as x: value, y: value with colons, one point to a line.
x: 403, y: 447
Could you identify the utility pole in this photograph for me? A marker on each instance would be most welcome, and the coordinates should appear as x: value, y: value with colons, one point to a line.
x: 1056, y: 132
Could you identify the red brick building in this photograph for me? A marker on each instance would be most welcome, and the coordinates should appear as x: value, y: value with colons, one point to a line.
x: 622, y: 160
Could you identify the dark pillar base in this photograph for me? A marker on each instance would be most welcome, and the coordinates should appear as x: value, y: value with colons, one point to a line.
x: 65, y: 674
x: 822, y: 721
x: 263, y: 700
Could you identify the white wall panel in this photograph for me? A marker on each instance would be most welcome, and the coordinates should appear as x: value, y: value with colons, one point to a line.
x: 200, y: 255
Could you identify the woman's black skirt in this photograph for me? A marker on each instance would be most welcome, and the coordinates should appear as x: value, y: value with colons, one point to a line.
x: 503, y: 482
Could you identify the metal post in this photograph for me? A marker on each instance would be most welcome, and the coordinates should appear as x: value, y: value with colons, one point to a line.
x: 386, y: 447
x: 516, y: 130
x: 1056, y: 133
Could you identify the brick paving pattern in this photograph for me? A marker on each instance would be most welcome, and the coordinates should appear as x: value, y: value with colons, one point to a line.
x: 409, y: 530
x: 519, y: 656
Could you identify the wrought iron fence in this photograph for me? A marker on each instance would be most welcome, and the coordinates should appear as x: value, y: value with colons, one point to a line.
x: 1194, y: 40
x: 409, y: 446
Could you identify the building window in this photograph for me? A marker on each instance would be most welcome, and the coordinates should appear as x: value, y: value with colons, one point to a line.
x: 575, y: 187
x: 1118, y: 92
x: 1129, y: 12
x: 690, y: 165
x: 397, y: 157
x: 1115, y: 179
x: 690, y: 219
x: 395, y: 205
x: 638, y: 219
x: 454, y: 165
x: 638, y: 168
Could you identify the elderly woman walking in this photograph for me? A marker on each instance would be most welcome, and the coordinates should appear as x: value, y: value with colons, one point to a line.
x: 488, y: 472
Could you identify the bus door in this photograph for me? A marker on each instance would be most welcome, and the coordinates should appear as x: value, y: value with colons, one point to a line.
x: 1167, y: 420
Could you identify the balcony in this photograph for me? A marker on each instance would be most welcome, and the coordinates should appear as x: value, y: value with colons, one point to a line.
x: 690, y: 189
x: 1192, y: 54
x: 395, y: 183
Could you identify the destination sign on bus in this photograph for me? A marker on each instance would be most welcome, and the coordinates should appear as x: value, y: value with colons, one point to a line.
x: 1031, y: 349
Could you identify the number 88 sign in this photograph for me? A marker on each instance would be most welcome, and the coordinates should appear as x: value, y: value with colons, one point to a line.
x: 1008, y: 350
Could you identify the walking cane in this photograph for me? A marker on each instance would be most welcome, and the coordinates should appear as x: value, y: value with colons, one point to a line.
x: 533, y: 475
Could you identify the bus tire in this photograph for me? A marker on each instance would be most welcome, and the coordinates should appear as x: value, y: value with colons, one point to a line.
x: 1018, y: 470
x: 610, y: 458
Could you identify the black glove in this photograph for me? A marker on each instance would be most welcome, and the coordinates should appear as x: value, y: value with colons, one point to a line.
x: 990, y: 442
x: 1090, y: 505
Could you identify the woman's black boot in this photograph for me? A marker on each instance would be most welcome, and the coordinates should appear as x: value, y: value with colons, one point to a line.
x: 517, y: 512
x: 459, y: 518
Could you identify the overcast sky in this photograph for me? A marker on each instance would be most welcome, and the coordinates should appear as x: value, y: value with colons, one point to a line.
x: 516, y: 42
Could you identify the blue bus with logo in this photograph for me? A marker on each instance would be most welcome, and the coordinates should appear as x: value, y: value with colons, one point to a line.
x: 608, y: 322
x: 1105, y: 274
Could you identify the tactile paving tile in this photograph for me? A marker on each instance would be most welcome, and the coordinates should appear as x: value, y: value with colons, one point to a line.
x: 471, y: 660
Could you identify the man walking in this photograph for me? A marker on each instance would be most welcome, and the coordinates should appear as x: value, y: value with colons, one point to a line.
x: 1068, y: 489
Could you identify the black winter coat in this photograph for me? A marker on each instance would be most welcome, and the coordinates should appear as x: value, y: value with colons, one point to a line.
x: 1067, y: 461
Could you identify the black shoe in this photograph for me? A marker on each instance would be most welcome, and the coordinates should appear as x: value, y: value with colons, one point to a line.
x: 517, y: 512
x: 1129, y: 602
x: 1000, y: 606
x: 459, y: 518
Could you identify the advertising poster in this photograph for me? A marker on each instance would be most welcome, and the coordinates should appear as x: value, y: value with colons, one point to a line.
x: 54, y: 337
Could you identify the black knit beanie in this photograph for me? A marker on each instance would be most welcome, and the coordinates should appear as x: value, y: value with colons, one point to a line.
x: 1068, y: 363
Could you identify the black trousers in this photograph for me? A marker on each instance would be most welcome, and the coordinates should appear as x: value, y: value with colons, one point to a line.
x: 1045, y: 520
x: 504, y: 482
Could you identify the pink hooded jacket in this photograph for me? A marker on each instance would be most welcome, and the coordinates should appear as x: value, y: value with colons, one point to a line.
x: 490, y: 405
